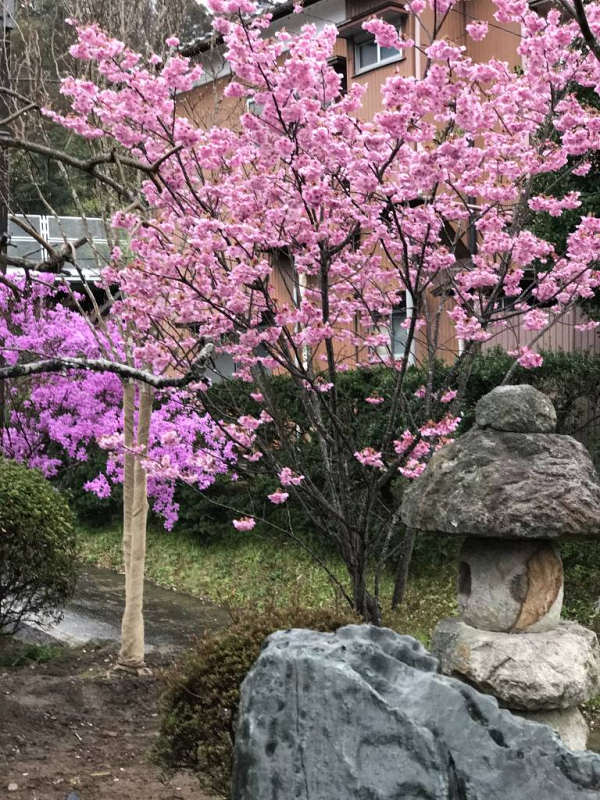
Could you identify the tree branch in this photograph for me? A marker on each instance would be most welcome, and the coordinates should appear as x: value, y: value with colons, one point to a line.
x: 577, y: 13
x: 89, y: 166
x: 10, y: 285
x: 57, y: 257
x: 53, y: 365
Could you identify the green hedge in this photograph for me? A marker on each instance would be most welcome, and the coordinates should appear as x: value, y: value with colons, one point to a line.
x: 566, y: 377
x: 200, y: 705
x: 38, y: 553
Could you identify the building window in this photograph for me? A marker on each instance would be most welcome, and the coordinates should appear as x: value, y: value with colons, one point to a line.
x: 339, y: 64
x: 394, y: 327
x: 368, y: 55
x: 398, y: 334
x: 253, y: 107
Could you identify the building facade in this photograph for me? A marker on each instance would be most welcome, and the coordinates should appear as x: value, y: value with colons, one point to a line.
x: 358, y: 58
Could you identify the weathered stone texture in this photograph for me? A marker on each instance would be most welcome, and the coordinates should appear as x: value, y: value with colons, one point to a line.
x: 568, y: 723
x: 507, y: 486
x: 363, y: 714
x: 520, y: 409
x: 529, y: 671
x: 510, y: 586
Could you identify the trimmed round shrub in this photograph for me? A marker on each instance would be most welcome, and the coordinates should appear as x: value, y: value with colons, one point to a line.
x: 38, y: 552
x: 201, y: 702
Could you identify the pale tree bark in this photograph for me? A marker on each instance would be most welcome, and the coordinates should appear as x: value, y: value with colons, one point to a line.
x: 135, y: 517
x: 128, y: 466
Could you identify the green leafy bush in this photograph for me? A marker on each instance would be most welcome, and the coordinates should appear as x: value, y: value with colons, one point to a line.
x: 38, y: 553
x: 571, y: 379
x: 581, y: 561
x: 201, y: 703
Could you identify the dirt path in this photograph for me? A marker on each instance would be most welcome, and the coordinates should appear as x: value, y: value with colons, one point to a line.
x: 68, y: 730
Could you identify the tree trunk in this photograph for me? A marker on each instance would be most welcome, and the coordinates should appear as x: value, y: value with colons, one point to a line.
x: 406, y: 550
x: 128, y: 433
x: 131, y: 654
x: 365, y: 603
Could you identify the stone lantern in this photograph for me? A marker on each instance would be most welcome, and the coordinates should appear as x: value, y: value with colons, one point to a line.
x: 514, y: 488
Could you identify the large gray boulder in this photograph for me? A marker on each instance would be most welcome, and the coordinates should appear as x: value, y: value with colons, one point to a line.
x: 520, y: 409
x: 529, y: 671
x: 507, y: 486
x: 363, y: 713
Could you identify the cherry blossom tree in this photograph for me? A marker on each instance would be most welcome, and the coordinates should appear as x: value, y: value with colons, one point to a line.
x: 428, y: 206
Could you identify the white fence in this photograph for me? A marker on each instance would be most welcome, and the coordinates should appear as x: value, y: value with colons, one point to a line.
x: 91, y: 257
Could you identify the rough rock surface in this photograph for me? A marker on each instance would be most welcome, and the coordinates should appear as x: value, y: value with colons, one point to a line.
x: 510, y: 586
x: 362, y: 713
x: 507, y: 486
x: 569, y: 724
x: 521, y: 409
x: 529, y: 671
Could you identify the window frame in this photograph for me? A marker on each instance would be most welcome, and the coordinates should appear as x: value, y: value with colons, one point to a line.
x: 405, y: 311
x: 381, y: 62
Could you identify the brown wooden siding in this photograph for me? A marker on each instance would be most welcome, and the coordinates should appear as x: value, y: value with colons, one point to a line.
x: 561, y: 336
x: 356, y: 7
x: 206, y: 106
x: 374, y: 79
x: 502, y: 40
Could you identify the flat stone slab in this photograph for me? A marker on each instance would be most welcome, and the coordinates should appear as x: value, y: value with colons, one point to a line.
x: 556, y: 669
x: 507, y: 486
x: 520, y: 409
x: 363, y: 713
x: 172, y: 619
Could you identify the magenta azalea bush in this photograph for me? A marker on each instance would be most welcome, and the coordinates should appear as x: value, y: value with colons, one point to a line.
x: 55, y: 419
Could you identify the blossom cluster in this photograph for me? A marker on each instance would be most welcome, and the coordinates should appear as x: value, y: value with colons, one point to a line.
x: 306, y: 129
x: 56, y: 419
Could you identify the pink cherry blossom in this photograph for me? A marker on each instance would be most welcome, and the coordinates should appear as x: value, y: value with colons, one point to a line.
x: 244, y: 524
x: 278, y: 497
x: 527, y: 358
x: 448, y: 396
x: 477, y: 30
x: 369, y: 457
x: 535, y: 320
x: 288, y: 478
x: 587, y: 326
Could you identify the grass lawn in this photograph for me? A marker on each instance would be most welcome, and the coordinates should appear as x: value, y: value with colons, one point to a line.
x: 241, y: 570
x: 249, y: 570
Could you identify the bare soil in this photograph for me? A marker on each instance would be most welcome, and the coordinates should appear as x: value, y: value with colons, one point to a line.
x: 72, y: 728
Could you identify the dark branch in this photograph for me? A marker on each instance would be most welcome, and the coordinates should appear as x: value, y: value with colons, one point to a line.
x: 53, y: 365
x: 89, y: 166
x: 67, y: 252
x: 576, y: 11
